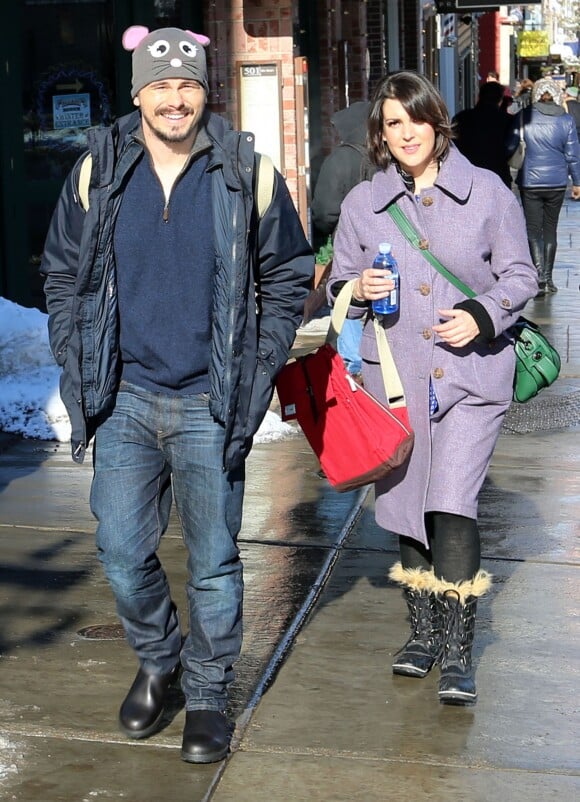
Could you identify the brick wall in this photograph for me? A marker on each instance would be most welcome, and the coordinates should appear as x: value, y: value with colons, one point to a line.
x: 343, y: 27
x: 351, y: 53
x: 253, y: 31
x: 376, y: 11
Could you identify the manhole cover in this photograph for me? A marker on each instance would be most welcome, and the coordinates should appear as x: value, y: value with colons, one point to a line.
x: 543, y: 412
x: 103, y: 632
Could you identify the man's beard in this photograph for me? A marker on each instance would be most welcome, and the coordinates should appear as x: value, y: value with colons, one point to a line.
x: 171, y: 137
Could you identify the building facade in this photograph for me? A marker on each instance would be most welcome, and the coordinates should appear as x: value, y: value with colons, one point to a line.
x: 279, y: 68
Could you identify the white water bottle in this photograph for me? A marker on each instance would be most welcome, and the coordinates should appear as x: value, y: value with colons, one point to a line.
x: 385, y: 260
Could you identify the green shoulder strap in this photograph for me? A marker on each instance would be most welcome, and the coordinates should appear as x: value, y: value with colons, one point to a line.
x: 413, y: 238
x: 264, y: 182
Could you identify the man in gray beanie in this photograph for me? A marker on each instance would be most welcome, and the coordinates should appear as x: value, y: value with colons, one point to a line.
x: 173, y: 302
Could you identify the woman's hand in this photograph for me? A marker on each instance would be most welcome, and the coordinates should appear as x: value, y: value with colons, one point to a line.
x: 459, y: 331
x: 373, y: 284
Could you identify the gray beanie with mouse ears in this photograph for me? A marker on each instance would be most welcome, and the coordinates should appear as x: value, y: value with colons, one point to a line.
x: 166, y: 53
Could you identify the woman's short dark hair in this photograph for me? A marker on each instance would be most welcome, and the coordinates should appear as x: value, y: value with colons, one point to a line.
x: 423, y: 104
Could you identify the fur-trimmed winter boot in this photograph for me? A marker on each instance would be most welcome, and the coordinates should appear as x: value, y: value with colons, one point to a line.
x: 419, y: 654
x: 458, y: 603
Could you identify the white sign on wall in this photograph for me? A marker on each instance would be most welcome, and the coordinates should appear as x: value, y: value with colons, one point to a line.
x: 261, y: 107
x: 71, y: 111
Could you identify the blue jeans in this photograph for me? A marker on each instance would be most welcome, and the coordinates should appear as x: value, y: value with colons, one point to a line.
x: 154, y: 447
x: 348, y: 345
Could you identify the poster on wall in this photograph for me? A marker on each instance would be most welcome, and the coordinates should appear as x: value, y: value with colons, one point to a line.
x: 260, y: 93
x: 71, y: 111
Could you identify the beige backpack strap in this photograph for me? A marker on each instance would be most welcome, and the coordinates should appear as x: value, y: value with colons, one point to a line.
x: 391, y: 379
x: 264, y: 183
x: 264, y: 189
x: 84, y: 178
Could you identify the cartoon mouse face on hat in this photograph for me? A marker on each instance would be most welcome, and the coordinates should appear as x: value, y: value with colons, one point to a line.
x: 165, y: 53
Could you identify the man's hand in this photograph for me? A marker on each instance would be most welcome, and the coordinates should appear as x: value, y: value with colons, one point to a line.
x: 460, y: 330
x: 575, y: 193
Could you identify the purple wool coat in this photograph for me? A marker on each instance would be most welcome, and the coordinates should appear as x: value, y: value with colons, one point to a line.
x: 475, y: 226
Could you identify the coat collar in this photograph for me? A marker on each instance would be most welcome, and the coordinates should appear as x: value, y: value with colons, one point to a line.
x: 455, y: 180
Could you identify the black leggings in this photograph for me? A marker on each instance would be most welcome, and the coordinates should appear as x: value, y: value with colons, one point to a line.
x: 455, y: 547
x: 542, y: 211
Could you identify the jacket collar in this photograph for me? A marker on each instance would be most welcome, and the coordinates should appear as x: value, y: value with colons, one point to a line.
x: 226, y: 146
x: 455, y: 180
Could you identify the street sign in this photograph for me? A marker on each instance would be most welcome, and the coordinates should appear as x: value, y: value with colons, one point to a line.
x: 476, y: 5
x: 458, y: 6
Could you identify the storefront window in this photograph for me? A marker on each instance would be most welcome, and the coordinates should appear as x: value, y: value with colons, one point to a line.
x: 67, y: 81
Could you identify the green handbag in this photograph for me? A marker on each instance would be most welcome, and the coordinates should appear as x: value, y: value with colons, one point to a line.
x: 537, y: 361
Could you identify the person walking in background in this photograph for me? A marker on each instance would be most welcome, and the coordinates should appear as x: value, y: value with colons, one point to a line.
x: 171, y: 310
x: 552, y: 156
x: 523, y: 94
x: 572, y: 106
x: 455, y: 365
x: 482, y: 132
x: 341, y: 170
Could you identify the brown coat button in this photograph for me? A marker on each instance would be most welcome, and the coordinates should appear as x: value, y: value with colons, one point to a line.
x: 426, y: 334
x: 428, y: 201
x: 424, y: 244
x: 424, y: 289
x: 506, y: 303
x: 438, y: 373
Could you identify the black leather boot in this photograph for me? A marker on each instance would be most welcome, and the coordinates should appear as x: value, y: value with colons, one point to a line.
x: 549, y: 258
x: 141, y: 712
x: 420, y: 652
x: 459, y: 607
x: 537, y: 254
x: 206, y: 736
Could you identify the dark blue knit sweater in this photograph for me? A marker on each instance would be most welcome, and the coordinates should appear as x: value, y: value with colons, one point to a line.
x: 165, y: 272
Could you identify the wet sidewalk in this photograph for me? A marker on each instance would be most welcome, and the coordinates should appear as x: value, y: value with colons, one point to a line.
x: 320, y: 717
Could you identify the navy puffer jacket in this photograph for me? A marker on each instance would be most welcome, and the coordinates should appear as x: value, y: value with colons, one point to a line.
x: 552, y: 149
x: 263, y: 275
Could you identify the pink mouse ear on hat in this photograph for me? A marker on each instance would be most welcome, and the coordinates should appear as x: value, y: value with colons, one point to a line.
x: 133, y: 36
x: 199, y: 37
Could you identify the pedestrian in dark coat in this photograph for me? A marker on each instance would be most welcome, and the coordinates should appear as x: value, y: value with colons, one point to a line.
x: 341, y: 170
x: 346, y: 165
x: 172, y: 305
x: 482, y: 132
x: 454, y: 358
x: 572, y: 106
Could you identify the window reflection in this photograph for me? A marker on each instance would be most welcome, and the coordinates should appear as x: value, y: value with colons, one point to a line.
x: 67, y: 75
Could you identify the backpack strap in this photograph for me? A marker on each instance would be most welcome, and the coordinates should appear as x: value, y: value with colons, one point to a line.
x: 264, y: 182
x: 84, y: 178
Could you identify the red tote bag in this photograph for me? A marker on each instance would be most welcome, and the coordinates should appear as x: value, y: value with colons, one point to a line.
x: 357, y: 439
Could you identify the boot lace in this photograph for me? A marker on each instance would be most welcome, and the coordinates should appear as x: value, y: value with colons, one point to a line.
x: 425, y: 620
x: 459, y: 631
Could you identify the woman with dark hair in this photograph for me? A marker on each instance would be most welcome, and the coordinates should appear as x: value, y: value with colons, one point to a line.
x: 455, y: 364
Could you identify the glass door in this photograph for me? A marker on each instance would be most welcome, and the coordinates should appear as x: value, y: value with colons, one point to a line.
x: 63, y: 70
x: 67, y: 86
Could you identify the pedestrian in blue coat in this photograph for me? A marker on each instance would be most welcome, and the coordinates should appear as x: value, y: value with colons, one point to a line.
x: 455, y: 362
x: 552, y: 159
